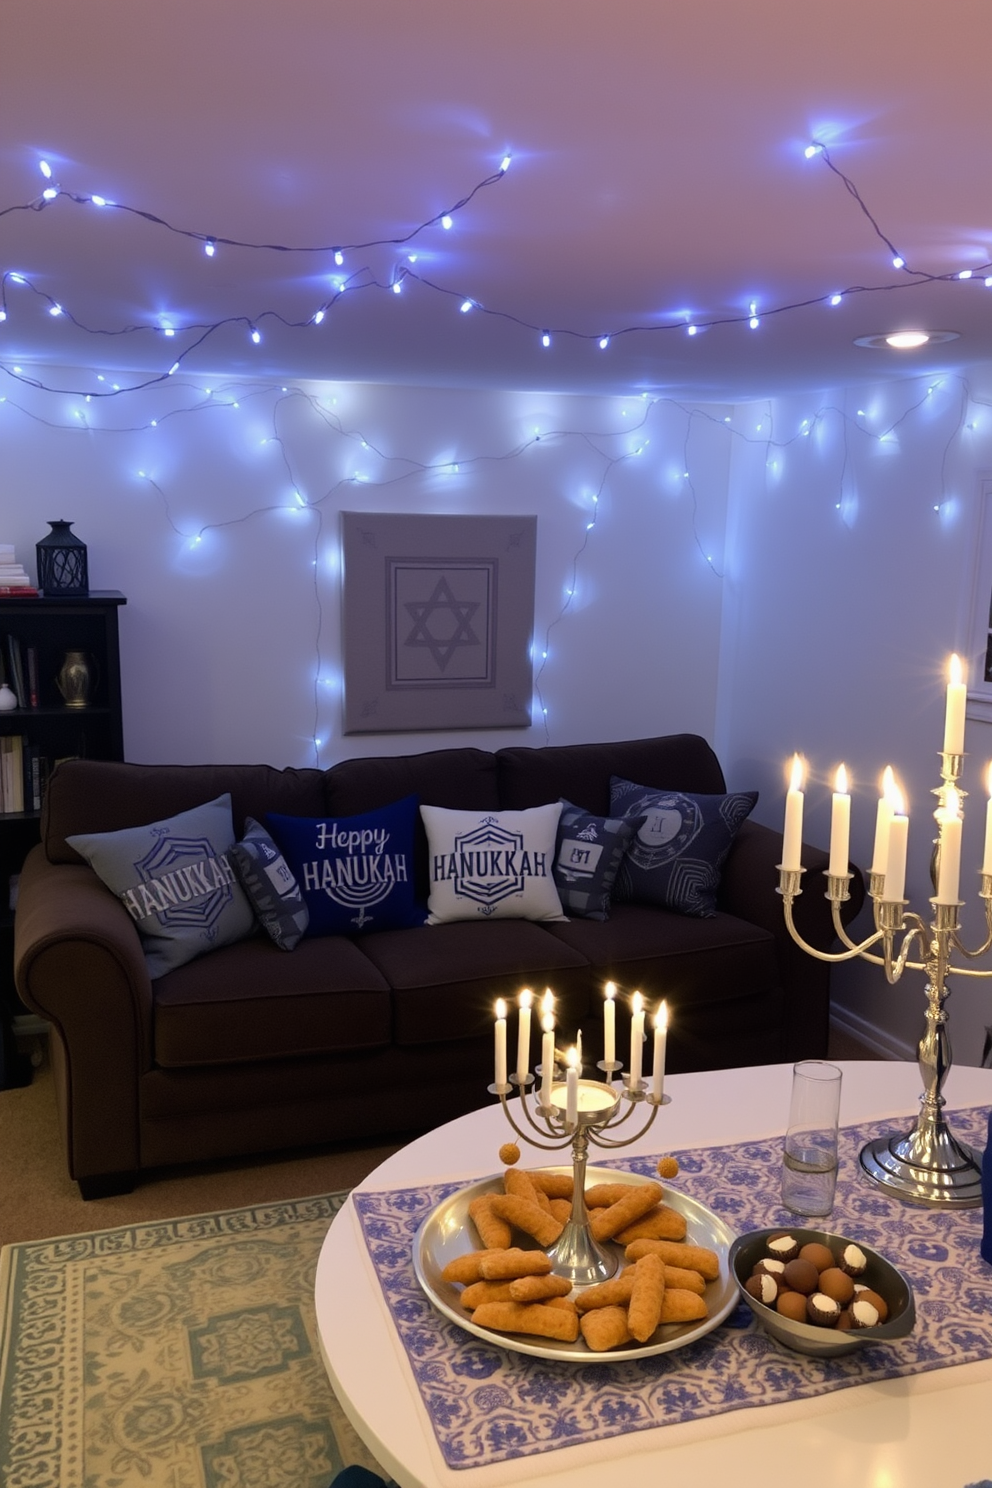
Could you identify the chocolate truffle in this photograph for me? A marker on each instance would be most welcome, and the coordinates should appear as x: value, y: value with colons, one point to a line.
x: 801, y: 1276
x: 837, y: 1284
x: 762, y: 1288
x: 853, y: 1260
x: 783, y: 1247
x: 820, y: 1255
x: 865, y: 1294
x: 822, y: 1310
x: 792, y: 1305
x: 769, y: 1267
x: 863, y: 1314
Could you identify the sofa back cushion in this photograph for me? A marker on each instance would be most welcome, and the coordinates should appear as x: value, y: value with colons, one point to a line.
x: 581, y: 772
x: 106, y: 796
x: 459, y: 779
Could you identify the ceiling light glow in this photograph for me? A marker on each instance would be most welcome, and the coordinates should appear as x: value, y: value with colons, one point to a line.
x: 907, y: 340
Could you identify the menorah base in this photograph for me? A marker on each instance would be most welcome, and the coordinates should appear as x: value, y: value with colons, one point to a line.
x: 578, y: 1257
x: 926, y: 1166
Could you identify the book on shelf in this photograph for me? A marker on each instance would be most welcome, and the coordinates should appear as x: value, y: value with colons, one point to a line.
x: 12, y: 772
x: 31, y: 658
x: 16, y: 670
x: 16, y: 591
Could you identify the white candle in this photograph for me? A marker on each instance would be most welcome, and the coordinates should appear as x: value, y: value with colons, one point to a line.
x: 957, y: 697
x: 523, y: 1034
x: 610, y: 1014
x: 660, y: 1043
x: 987, y: 860
x: 840, y: 825
x: 547, y: 1058
x: 500, y: 1042
x: 636, y: 1039
x: 895, y: 868
x: 883, y: 817
x: 792, y: 837
x: 572, y: 1088
x: 949, y: 855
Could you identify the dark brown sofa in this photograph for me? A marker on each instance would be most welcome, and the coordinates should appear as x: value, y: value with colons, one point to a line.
x: 251, y: 1049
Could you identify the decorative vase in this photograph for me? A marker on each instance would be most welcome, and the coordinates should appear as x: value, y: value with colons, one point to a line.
x: 75, y: 679
x: 62, y: 567
x: 8, y: 698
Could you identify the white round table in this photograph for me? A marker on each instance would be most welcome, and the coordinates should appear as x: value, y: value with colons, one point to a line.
x: 925, y: 1431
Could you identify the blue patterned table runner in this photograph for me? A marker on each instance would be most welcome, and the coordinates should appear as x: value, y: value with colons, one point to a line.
x: 488, y: 1404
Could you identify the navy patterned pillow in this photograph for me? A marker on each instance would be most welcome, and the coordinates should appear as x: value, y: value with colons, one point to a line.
x: 355, y: 872
x: 680, y: 847
x: 588, y: 855
x: 268, y: 881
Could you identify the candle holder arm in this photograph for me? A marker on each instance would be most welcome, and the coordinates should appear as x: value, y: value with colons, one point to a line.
x: 600, y: 1141
x: 566, y: 1137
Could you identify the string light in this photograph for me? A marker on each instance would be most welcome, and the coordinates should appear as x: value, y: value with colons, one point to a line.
x: 365, y: 279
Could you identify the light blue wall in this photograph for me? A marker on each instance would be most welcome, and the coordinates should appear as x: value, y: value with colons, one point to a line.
x: 231, y: 645
x: 847, y: 593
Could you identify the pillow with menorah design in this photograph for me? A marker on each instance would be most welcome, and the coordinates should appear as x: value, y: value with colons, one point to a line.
x: 680, y: 847
x: 588, y: 854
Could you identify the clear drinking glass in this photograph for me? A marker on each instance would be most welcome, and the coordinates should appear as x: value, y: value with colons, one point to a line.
x: 809, y: 1157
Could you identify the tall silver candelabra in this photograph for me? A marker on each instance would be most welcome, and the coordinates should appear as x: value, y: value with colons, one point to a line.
x: 927, y: 1165
x: 576, y: 1254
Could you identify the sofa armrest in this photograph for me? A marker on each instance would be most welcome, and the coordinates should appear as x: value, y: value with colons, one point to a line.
x: 78, y: 963
x: 748, y: 889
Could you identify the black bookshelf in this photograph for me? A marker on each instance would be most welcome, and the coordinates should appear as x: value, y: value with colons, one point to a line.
x: 48, y: 627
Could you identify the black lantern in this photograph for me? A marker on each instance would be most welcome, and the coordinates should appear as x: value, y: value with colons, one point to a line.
x: 62, y: 561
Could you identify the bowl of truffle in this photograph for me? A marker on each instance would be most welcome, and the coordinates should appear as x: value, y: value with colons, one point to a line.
x: 819, y: 1293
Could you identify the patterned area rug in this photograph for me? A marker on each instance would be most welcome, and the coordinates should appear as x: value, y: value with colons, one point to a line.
x: 182, y: 1353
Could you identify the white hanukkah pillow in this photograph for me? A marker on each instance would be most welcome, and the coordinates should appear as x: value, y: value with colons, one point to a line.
x: 492, y: 865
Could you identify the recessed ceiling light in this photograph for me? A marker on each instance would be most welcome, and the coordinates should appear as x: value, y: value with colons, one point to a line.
x: 908, y: 340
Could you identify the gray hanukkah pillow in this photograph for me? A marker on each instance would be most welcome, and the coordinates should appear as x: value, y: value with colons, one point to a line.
x: 268, y: 881
x: 588, y: 855
x: 176, y: 881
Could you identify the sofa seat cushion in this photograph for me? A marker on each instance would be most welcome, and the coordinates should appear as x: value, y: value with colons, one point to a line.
x: 719, y: 976
x: 660, y: 952
x: 252, y: 1002
x: 446, y: 978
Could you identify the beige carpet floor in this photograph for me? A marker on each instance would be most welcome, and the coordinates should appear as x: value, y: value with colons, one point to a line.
x: 39, y: 1200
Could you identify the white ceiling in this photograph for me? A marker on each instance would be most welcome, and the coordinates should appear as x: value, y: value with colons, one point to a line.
x: 657, y: 172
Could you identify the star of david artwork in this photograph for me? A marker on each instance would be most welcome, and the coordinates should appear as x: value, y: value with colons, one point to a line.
x: 442, y: 622
x: 438, y: 621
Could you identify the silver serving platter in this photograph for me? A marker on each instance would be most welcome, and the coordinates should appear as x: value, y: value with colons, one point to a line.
x: 446, y: 1233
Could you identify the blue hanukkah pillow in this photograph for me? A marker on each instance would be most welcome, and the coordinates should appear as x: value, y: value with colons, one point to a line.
x: 588, y: 855
x: 355, y: 872
x: 680, y: 847
x: 176, y: 881
x: 272, y: 890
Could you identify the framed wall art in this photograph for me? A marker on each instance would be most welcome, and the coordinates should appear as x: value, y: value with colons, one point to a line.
x: 438, y: 622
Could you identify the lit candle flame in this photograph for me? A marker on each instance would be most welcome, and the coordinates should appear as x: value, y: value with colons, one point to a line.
x: 500, y: 1008
x: 636, y: 1002
x: 956, y: 671
x: 572, y: 1058
x: 526, y: 998
x: 898, y: 801
x: 548, y: 1023
x: 661, y: 1016
x: 796, y: 777
x: 888, y: 781
x: 548, y: 1003
x: 841, y: 782
x: 611, y: 987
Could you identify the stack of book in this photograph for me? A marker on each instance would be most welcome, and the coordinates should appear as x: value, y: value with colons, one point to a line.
x: 23, y: 773
x: 14, y: 579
